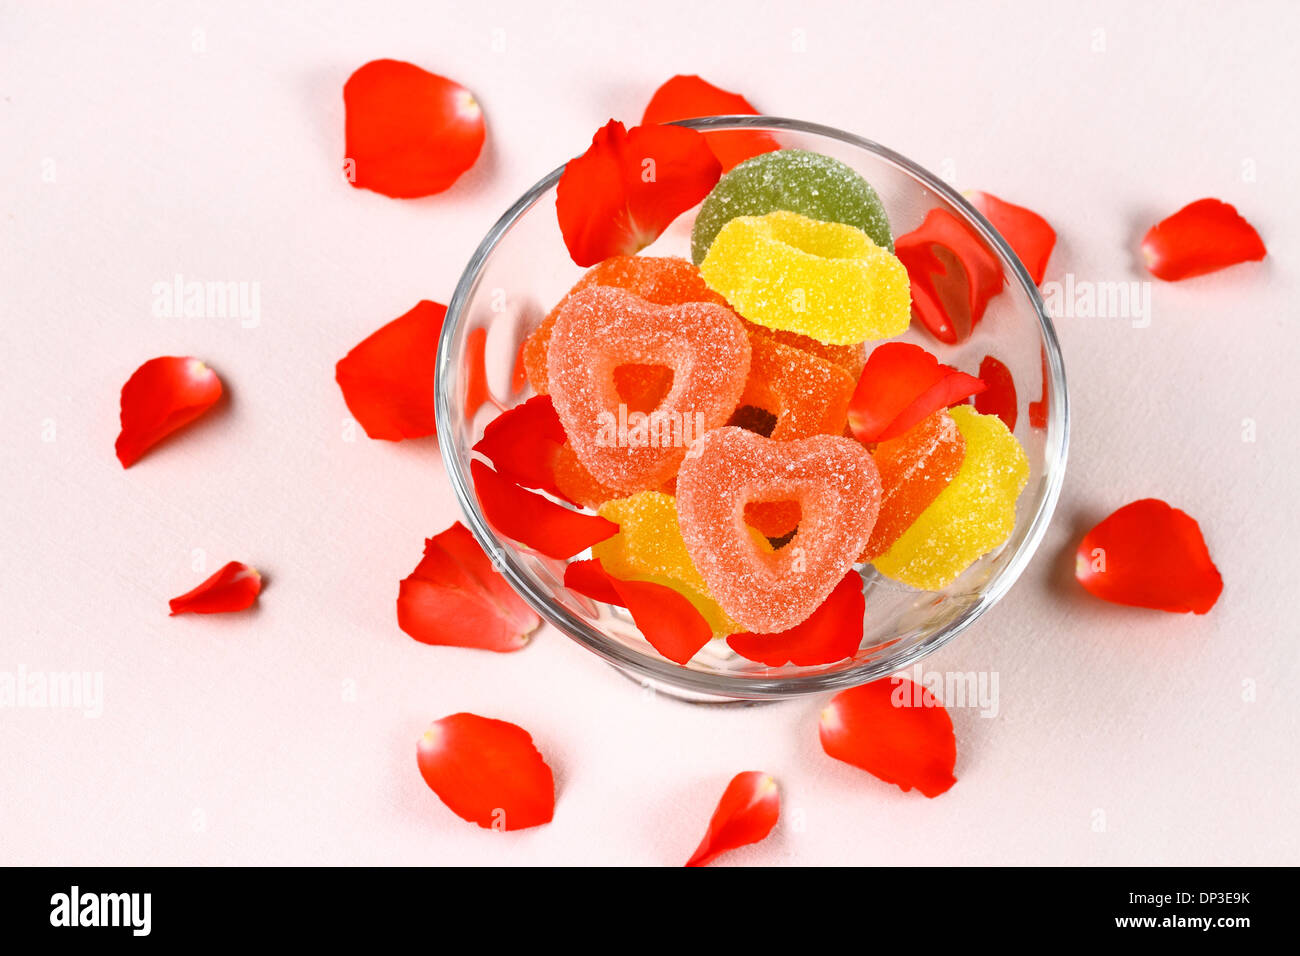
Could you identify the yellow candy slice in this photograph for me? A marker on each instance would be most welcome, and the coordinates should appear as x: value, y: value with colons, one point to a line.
x: 649, y: 547
x: 826, y: 280
x: 969, y: 518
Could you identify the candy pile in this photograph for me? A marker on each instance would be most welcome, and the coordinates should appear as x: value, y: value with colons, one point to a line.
x: 731, y: 417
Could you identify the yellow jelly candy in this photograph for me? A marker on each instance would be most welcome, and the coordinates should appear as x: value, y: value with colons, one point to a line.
x: 970, y: 517
x: 826, y: 280
x: 649, y: 547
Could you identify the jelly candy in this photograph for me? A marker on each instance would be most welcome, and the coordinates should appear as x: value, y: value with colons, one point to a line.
x: 973, y: 515
x: 796, y: 180
x: 577, y: 484
x: 805, y: 395
x: 851, y: 358
x: 914, y: 468
x: 649, y: 547
x: 601, y: 328
x: 825, y: 280
x: 791, y: 393
x: 837, y: 487
x: 666, y: 280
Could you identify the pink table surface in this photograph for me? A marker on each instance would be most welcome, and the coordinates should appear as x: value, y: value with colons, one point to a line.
x: 141, y: 141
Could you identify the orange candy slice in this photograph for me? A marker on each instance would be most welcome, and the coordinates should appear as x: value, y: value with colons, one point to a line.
x: 914, y: 468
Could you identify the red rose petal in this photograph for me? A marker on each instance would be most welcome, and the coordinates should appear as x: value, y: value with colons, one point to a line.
x: 477, y: 393
x: 953, y: 275
x: 387, y: 380
x: 832, y: 633
x: 487, y: 771
x: 999, y: 395
x: 1204, y: 237
x: 687, y: 97
x: 522, y: 444
x: 747, y: 812
x: 671, y: 623
x: 895, y: 730
x: 901, y: 385
x: 409, y: 132
x: 1038, y: 409
x: 161, y: 396
x: 530, y: 519
x: 519, y: 371
x: 233, y: 588
x: 1030, y: 236
x: 667, y: 620
x: 591, y: 578
x: 1148, y: 554
x: 618, y: 196
x: 455, y: 597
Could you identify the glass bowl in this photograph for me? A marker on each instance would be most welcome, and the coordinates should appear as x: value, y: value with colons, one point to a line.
x: 522, y: 268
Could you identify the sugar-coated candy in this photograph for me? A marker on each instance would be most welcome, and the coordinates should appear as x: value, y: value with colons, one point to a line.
x: 914, y: 468
x: 825, y: 280
x: 837, y: 487
x: 663, y: 280
x: 804, y: 394
x: 601, y: 328
x: 795, y: 180
x: 974, y: 514
x: 649, y: 547
x: 851, y: 358
x: 575, y: 482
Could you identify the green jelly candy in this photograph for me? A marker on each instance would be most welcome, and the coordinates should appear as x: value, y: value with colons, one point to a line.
x: 795, y: 180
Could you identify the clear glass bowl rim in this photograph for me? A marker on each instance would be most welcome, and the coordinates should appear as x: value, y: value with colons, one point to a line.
x: 653, y: 669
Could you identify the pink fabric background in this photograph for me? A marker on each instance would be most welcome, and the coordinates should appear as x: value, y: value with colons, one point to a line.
x: 205, y: 140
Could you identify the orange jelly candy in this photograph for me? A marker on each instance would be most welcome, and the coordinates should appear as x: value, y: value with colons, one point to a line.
x: 791, y: 393
x: 805, y: 395
x: 851, y: 358
x: 914, y: 468
x: 665, y: 280
x: 580, y: 486
x: 836, y: 485
x: 576, y: 483
x: 600, y: 329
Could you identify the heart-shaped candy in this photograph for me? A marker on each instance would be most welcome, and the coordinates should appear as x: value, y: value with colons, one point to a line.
x: 837, y: 487
x: 601, y: 329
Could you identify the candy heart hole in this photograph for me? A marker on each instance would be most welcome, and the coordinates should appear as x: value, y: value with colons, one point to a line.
x: 754, y: 419
x: 643, y: 387
x: 775, y: 520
